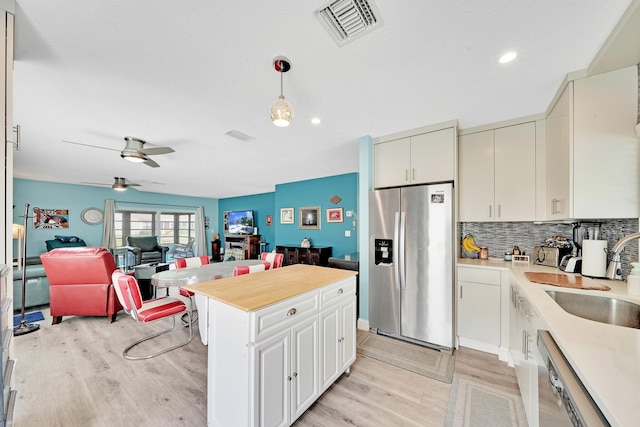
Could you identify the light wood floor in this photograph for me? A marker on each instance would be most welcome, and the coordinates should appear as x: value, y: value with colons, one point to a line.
x: 73, y: 374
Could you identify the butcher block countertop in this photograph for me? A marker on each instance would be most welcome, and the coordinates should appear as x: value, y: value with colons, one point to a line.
x: 253, y: 291
x: 605, y: 357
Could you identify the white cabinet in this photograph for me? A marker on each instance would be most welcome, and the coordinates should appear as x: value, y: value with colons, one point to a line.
x: 266, y: 367
x: 497, y: 174
x: 417, y: 159
x: 524, y: 355
x: 287, y: 383
x: 337, y: 334
x: 592, y: 151
x: 479, y: 308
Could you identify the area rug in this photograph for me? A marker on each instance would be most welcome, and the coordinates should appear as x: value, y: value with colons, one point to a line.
x: 34, y: 316
x: 474, y: 404
x: 421, y: 360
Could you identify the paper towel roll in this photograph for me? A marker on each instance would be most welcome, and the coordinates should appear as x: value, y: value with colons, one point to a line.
x: 594, y: 258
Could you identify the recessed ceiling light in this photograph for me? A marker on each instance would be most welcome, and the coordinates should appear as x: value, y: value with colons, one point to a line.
x: 508, y: 57
x: 315, y: 120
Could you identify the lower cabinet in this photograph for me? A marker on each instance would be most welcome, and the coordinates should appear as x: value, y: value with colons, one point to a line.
x: 524, y: 353
x: 338, y: 337
x: 266, y: 367
x: 483, y: 319
x: 287, y: 383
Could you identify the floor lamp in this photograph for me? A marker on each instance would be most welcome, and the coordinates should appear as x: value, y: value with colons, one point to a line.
x: 24, y: 327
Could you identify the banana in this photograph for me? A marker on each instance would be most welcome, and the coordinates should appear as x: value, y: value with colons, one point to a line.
x: 469, y: 244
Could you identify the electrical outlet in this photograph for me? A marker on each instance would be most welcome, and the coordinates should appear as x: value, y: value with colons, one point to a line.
x: 349, y: 214
x: 347, y: 233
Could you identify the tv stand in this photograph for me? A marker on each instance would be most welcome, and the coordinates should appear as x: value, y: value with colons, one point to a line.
x: 250, y: 243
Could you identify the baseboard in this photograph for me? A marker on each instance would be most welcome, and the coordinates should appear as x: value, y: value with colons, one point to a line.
x: 363, y: 324
x: 503, y: 354
x: 478, y: 345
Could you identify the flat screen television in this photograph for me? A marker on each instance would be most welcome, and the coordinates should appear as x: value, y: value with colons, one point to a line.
x: 238, y: 222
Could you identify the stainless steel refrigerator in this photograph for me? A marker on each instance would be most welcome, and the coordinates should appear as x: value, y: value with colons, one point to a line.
x: 411, y: 264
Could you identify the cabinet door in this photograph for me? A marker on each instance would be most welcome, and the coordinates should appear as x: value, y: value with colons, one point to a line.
x: 558, y: 156
x: 392, y: 163
x: 605, y: 145
x: 272, y: 379
x: 433, y: 157
x: 330, y: 333
x: 479, y: 312
x: 305, y: 364
x: 475, y: 174
x: 348, y: 334
x: 515, y: 172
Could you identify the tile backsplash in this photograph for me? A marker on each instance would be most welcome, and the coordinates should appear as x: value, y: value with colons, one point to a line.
x: 501, y: 237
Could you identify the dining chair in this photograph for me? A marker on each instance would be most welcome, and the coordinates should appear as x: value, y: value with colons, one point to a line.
x: 190, y: 262
x: 274, y: 258
x: 246, y: 269
x: 128, y: 293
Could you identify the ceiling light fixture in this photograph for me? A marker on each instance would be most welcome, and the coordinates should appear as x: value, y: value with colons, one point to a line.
x: 315, y: 121
x: 508, y: 57
x: 119, y: 184
x: 281, y: 110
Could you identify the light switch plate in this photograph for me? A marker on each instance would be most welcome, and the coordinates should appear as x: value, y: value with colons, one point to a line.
x: 347, y: 233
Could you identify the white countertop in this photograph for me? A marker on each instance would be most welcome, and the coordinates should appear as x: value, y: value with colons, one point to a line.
x: 605, y: 357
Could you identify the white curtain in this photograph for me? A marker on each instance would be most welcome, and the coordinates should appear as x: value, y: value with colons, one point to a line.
x: 201, y: 234
x: 109, y: 233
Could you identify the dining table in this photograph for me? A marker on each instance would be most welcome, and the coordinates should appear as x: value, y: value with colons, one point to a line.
x: 179, y: 277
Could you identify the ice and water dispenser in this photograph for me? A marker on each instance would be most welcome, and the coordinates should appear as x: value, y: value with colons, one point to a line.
x: 383, y: 251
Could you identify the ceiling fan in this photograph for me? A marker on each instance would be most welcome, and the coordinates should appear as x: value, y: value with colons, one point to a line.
x: 119, y: 184
x: 134, y: 151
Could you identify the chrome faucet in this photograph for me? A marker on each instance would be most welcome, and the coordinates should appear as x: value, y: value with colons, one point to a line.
x: 614, y: 270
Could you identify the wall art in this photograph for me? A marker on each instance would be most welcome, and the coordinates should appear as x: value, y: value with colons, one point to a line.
x: 50, y: 218
x: 309, y: 218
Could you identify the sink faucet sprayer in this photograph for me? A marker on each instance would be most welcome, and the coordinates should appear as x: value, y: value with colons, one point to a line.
x: 614, y: 270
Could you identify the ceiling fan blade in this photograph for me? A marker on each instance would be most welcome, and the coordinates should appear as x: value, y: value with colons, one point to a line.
x: 94, y: 183
x: 89, y: 145
x: 131, y: 184
x: 151, y: 163
x: 156, y: 150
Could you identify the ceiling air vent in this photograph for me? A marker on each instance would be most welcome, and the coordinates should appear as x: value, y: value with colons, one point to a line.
x: 240, y: 136
x: 346, y: 20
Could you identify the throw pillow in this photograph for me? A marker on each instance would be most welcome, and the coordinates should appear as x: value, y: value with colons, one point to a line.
x: 67, y: 239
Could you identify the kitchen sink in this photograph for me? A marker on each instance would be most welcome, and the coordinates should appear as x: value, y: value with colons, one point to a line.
x: 600, y: 309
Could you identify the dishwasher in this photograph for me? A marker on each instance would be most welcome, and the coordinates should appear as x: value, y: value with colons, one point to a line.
x: 562, y: 399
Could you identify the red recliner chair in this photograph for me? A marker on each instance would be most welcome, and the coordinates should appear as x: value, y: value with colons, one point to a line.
x: 80, y: 282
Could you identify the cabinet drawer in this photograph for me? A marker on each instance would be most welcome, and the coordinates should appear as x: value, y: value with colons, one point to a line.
x: 337, y: 291
x: 479, y: 275
x: 279, y: 316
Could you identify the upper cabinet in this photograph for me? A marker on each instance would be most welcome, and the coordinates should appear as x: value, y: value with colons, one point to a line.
x: 592, y: 148
x: 427, y: 156
x: 497, y: 174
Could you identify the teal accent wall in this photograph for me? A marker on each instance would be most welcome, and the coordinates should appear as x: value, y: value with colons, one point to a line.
x: 317, y: 192
x: 261, y: 204
x: 76, y: 198
x: 365, y: 185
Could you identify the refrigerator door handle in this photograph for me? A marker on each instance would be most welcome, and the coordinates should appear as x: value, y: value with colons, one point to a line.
x: 396, y: 238
x: 401, y: 246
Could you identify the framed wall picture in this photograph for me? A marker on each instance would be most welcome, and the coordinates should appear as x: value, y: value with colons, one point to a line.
x: 334, y: 215
x: 309, y: 218
x: 286, y: 216
x: 50, y: 218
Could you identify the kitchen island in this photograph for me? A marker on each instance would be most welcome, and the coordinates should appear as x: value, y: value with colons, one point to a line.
x: 605, y: 357
x: 277, y: 340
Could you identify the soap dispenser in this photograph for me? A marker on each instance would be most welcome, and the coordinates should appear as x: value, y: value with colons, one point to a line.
x: 633, y: 279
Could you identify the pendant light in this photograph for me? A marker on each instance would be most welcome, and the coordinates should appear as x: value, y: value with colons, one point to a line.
x: 281, y: 110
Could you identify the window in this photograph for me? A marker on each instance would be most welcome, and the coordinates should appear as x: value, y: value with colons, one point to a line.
x: 176, y: 227
x: 171, y: 227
